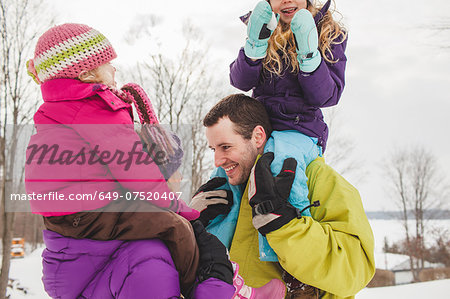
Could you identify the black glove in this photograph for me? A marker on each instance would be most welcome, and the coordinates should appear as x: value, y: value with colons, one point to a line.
x: 214, y: 260
x: 268, y: 194
x: 210, y: 202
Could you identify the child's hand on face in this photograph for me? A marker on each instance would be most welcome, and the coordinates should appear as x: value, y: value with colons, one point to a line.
x: 261, y: 24
x: 307, y: 41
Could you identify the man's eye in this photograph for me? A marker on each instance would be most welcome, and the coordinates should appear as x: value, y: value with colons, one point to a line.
x: 213, y: 150
x: 225, y: 147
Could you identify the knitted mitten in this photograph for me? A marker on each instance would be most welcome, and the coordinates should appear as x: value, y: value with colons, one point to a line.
x: 142, y: 103
x: 162, y: 145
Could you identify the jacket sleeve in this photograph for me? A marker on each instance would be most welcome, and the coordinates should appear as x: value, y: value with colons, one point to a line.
x: 245, y: 73
x: 334, y: 249
x: 324, y: 86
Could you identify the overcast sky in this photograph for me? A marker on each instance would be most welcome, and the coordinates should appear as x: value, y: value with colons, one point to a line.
x: 398, y: 70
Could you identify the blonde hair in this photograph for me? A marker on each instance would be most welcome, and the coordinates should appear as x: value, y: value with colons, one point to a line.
x: 282, y: 51
x: 90, y: 76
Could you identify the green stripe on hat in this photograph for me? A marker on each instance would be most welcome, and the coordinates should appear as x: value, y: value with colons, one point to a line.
x: 70, y: 52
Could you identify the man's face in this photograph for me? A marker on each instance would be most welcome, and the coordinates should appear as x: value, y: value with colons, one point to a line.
x: 232, y: 152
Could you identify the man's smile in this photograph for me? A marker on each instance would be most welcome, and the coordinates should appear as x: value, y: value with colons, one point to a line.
x: 230, y: 168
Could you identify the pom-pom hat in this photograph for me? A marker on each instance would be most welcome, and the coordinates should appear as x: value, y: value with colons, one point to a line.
x: 66, y: 50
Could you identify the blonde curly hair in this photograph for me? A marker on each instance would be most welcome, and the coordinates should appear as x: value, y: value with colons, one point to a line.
x: 281, y: 50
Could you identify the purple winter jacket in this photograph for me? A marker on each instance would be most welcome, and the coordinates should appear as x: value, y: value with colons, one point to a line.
x: 82, y: 268
x: 293, y: 101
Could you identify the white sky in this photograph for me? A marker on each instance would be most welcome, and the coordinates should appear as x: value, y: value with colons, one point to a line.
x: 398, y: 69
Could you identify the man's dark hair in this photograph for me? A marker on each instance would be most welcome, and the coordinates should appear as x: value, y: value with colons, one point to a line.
x: 245, y: 112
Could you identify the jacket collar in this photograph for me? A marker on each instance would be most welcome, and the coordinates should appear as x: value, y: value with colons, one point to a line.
x: 69, y: 89
x: 58, y: 90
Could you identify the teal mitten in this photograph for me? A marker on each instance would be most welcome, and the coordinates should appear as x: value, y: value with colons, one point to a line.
x: 261, y: 24
x: 306, y: 40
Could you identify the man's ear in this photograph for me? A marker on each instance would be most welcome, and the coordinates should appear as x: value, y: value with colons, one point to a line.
x: 259, y: 135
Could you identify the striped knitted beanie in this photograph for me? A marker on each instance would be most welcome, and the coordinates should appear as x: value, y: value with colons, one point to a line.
x: 66, y: 50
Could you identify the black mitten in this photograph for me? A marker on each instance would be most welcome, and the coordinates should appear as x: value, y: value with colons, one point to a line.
x: 211, y: 202
x: 214, y: 260
x: 269, y: 195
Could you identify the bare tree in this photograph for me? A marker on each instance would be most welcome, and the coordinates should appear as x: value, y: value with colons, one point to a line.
x: 182, y: 89
x: 416, y: 186
x: 20, y: 23
x: 340, y: 152
x: 439, y: 29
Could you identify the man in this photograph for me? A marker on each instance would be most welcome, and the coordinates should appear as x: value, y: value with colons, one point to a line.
x: 332, y: 250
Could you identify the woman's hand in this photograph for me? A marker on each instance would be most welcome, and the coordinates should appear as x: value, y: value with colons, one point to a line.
x: 211, y: 202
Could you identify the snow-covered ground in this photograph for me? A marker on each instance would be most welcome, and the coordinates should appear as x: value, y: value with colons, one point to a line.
x: 393, y: 231
x: 28, y: 271
x: 388, y: 261
x: 422, y: 290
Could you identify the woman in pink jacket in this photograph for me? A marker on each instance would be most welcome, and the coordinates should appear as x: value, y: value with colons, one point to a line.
x: 86, y: 168
x: 91, y: 178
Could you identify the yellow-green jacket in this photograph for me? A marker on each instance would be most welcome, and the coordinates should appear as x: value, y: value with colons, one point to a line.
x: 333, y: 250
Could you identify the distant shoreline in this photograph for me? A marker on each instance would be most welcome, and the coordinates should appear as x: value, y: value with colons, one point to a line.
x: 392, y: 215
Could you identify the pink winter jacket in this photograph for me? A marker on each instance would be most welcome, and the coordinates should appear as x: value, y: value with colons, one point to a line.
x: 85, y: 153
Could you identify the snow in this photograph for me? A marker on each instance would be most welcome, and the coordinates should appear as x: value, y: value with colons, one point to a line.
x: 28, y: 270
x: 430, y: 289
x: 387, y: 261
x: 393, y: 231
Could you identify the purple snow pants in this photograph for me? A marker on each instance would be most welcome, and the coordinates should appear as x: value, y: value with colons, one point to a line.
x: 82, y: 268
